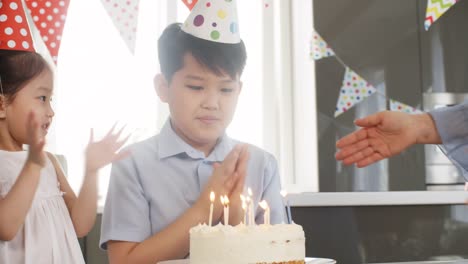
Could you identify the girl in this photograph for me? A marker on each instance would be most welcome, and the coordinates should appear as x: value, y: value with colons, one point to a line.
x: 40, y: 216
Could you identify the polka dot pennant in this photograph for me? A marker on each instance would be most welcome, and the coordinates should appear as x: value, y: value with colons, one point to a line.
x: 15, y: 33
x: 214, y: 20
x: 319, y: 49
x: 124, y: 15
x: 401, y: 107
x: 49, y: 16
x: 190, y: 3
x: 353, y: 91
x: 435, y: 9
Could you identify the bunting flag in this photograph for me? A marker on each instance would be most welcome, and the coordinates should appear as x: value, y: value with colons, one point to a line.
x: 15, y: 33
x: 401, y: 107
x: 124, y: 15
x: 353, y: 91
x: 435, y: 9
x: 190, y: 3
x: 49, y: 18
x: 319, y: 49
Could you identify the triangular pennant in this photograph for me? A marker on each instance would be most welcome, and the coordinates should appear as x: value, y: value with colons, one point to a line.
x: 124, y: 15
x: 15, y: 33
x: 401, y: 107
x: 319, y: 49
x: 190, y: 3
x: 49, y: 18
x: 214, y: 21
x: 353, y: 91
x: 435, y: 9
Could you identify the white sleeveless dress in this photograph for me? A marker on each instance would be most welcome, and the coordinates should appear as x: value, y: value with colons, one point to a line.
x: 47, y: 235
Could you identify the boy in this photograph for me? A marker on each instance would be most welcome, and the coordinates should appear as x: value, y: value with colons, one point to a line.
x: 162, y: 190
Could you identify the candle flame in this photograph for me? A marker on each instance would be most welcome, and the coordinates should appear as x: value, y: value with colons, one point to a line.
x: 226, y: 200
x: 283, y: 193
x: 263, y: 204
x: 242, y: 197
x: 249, y: 191
x: 212, y: 196
x: 244, y: 205
x: 222, y: 199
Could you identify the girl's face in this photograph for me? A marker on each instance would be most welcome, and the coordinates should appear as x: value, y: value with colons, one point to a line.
x: 34, y: 96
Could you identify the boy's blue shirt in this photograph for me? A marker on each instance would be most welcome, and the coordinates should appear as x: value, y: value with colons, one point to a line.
x: 164, y: 176
x: 452, y: 125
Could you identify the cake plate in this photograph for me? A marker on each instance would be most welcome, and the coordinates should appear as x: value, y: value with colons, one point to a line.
x: 307, y: 261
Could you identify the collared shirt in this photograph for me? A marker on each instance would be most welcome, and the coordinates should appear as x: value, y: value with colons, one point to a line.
x: 164, y: 176
x: 452, y: 125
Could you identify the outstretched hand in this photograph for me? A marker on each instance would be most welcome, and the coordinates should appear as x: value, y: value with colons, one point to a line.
x: 105, y: 151
x: 36, y: 141
x: 382, y: 135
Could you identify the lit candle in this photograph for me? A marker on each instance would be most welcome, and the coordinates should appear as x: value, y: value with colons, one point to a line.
x: 248, y: 203
x: 226, y: 206
x: 212, y: 198
x: 288, y: 208
x: 244, y: 208
x: 251, y: 207
x: 266, y: 216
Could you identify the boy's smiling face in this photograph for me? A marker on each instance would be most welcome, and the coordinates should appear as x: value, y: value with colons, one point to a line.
x: 201, y: 103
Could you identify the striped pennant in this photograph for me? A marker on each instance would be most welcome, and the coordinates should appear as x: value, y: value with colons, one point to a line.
x: 435, y: 9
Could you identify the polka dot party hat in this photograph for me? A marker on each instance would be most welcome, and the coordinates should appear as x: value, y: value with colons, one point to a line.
x: 15, y: 33
x: 214, y: 20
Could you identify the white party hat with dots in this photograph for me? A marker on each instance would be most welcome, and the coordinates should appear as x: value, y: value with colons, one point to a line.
x: 214, y: 20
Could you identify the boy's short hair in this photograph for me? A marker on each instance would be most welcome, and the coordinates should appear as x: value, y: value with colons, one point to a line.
x: 218, y: 57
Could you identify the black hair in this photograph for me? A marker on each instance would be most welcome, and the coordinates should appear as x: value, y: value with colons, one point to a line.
x: 17, y: 68
x: 218, y: 57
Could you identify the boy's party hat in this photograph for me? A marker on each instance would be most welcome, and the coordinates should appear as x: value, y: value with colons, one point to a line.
x: 214, y: 20
x: 15, y: 33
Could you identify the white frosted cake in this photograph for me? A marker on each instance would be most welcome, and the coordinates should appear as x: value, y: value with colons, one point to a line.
x: 241, y: 244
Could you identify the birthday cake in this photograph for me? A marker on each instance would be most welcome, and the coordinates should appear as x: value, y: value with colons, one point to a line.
x: 241, y: 244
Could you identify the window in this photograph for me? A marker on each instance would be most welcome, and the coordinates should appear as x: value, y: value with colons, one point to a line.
x: 99, y: 82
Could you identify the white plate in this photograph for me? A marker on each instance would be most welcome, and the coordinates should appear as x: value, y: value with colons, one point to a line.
x: 319, y: 261
x: 307, y: 260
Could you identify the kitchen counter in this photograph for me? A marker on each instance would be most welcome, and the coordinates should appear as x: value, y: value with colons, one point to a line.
x: 311, y: 199
x: 430, y: 262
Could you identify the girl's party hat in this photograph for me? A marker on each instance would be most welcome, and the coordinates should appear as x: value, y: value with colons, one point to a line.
x: 15, y: 33
x: 214, y: 20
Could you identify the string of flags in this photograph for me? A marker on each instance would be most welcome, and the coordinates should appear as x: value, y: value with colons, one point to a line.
x: 48, y: 17
x: 124, y: 15
x: 435, y: 9
x: 319, y: 49
x: 354, y: 88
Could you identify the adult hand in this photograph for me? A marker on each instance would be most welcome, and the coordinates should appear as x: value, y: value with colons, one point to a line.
x: 382, y: 135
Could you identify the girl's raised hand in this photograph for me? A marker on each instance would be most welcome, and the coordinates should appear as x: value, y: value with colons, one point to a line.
x: 105, y: 151
x: 36, y: 141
